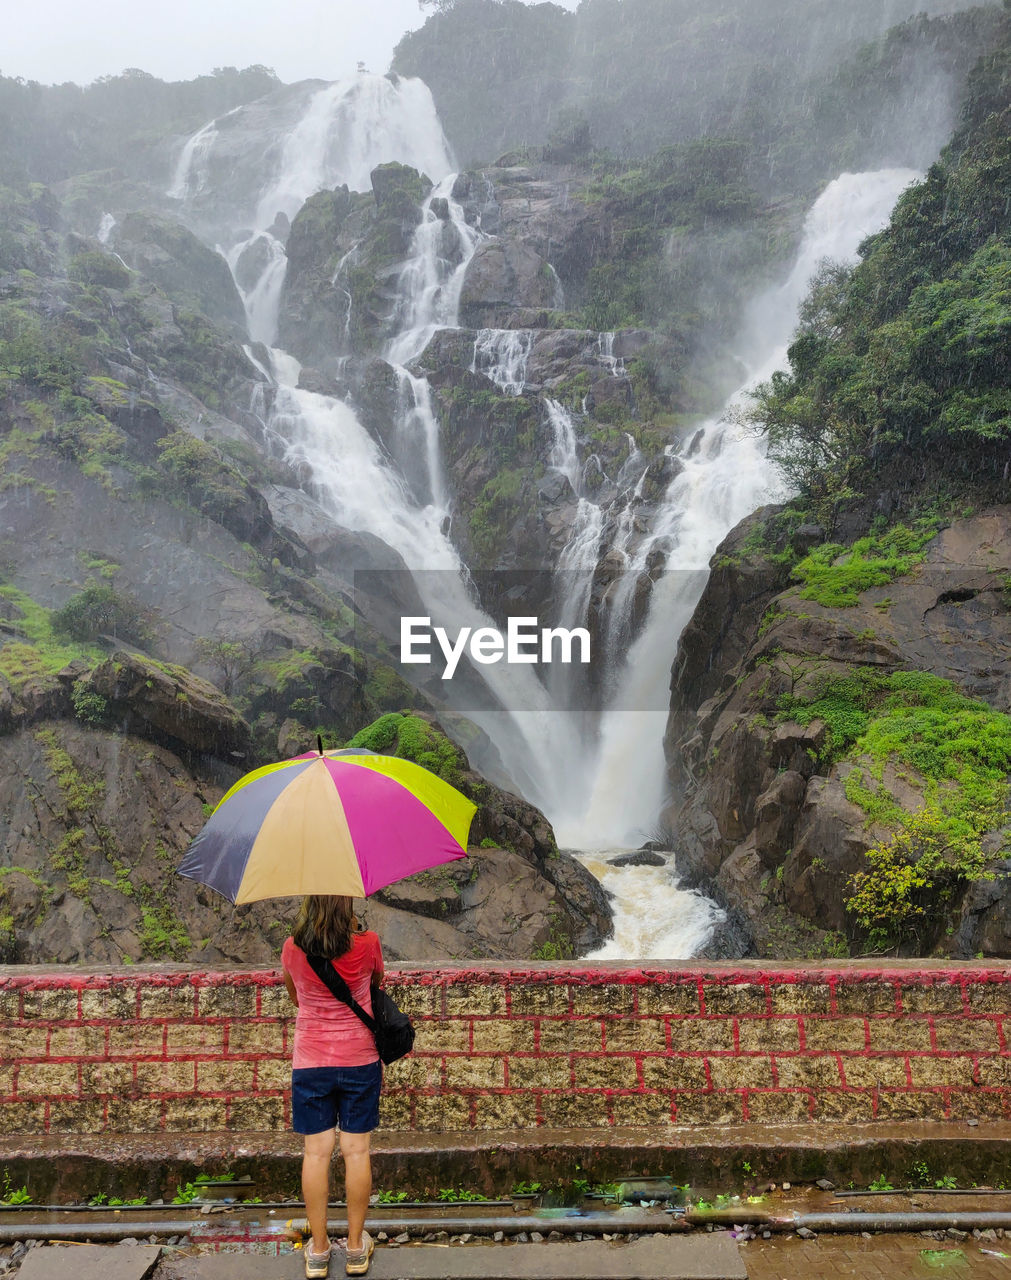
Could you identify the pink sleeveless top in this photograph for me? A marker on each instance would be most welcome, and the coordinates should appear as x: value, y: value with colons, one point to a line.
x: 327, y: 1032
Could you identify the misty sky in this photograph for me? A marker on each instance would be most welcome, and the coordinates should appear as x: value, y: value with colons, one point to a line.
x: 57, y: 40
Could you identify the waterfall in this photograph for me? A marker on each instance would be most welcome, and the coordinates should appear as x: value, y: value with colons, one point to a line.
x: 195, y: 150
x: 564, y: 455
x: 105, y: 226
x: 726, y: 477
x: 417, y: 421
x: 344, y: 131
x: 502, y: 356
x: 351, y: 477
x: 601, y: 784
x: 263, y: 298
x: 605, y: 349
x: 431, y: 280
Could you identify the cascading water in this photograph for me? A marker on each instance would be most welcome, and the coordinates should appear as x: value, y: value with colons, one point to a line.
x: 726, y: 477
x: 263, y: 298
x: 605, y: 348
x: 502, y: 355
x: 431, y: 280
x: 189, y: 176
x: 342, y: 133
x: 406, y: 507
x: 601, y: 793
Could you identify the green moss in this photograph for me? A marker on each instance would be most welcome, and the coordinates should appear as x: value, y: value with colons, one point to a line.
x: 80, y: 795
x: 958, y: 749
x: 379, y: 736
x: 497, y: 507
x: 415, y: 739
x: 387, y: 688
x: 835, y: 576
x: 39, y: 651
x: 162, y: 935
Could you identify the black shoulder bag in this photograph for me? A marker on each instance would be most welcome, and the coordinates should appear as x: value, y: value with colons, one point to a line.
x: 391, y: 1029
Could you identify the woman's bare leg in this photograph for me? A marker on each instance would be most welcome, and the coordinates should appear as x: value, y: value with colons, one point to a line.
x: 357, y: 1183
x: 316, y: 1184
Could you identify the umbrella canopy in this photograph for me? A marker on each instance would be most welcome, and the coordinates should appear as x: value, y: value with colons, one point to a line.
x: 334, y: 822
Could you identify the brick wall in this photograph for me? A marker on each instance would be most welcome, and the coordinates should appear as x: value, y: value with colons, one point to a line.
x: 143, y: 1050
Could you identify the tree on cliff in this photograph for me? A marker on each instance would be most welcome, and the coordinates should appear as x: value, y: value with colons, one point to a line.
x: 908, y: 355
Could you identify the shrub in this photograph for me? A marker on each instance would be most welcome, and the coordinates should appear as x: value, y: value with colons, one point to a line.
x: 89, y: 707
x: 94, y: 267
x: 99, y: 609
x: 912, y: 879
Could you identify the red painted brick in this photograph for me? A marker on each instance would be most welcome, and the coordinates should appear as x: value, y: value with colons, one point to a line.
x: 573, y: 1045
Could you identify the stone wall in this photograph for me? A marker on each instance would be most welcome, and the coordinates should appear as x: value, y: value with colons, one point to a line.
x: 144, y: 1049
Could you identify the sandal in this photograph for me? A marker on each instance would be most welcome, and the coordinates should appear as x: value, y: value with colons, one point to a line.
x: 358, y: 1260
x: 317, y: 1264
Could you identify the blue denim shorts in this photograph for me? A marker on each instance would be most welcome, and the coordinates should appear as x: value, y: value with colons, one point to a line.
x: 325, y: 1097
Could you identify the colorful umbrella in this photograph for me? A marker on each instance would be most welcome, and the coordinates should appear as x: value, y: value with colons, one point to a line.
x: 333, y: 822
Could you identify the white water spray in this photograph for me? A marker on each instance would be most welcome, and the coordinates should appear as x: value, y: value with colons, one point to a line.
x: 502, y: 355
x: 431, y: 280
x: 724, y: 480
x: 190, y: 174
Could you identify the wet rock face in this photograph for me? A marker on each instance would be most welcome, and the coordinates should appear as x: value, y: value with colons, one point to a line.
x: 502, y: 276
x: 761, y: 819
x: 164, y: 251
x: 496, y: 905
x: 94, y: 824
x: 171, y: 702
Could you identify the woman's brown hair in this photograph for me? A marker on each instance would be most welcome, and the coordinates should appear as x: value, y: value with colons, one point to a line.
x: 323, y: 927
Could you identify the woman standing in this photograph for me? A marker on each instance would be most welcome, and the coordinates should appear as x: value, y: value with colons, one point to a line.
x: 336, y: 1073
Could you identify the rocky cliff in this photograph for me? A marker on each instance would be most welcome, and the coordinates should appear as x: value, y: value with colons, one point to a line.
x: 811, y: 719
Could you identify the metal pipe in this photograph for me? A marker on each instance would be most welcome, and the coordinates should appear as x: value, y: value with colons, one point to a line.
x: 916, y: 1221
x: 849, y: 1220
x: 92, y: 1231
x: 234, y: 1206
x: 588, y: 1224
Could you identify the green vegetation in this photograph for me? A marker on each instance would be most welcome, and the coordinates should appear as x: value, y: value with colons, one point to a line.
x: 89, y: 707
x: 212, y: 485
x: 901, y: 365
x: 95, y: 267
x: 791, y: 83
x: 186, y: 1193
x: 415, y: 739
x: 955, y: 750
x: 100, y: 609
x: 835, y: 576
x: 163, y: 935
x: 9, y: 1194
x: 38, y: 651
x: 55, y: 131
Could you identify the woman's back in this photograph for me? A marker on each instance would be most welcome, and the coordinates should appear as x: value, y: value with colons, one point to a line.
x: 328, y: 1033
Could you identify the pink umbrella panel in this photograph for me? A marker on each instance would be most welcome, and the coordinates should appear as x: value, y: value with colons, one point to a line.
x: 328, y: 824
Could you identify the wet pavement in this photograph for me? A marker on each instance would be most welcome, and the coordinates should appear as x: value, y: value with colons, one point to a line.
x: 879, y: 1258
x: 246, y: 1242
x: 699, y: 1256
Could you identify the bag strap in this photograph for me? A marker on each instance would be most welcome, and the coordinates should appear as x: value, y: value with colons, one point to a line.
x: 329, y: 976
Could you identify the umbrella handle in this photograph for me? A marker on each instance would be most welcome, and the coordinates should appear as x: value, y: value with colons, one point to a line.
x: 319, y: 743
